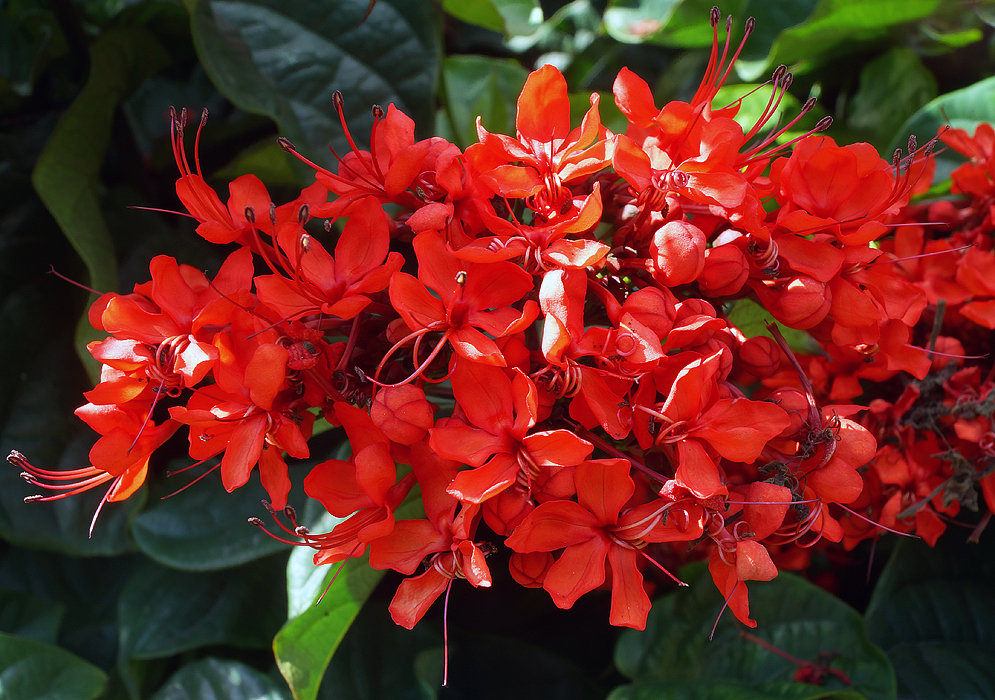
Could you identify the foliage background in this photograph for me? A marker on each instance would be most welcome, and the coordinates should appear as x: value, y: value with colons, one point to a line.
x: 179, y: 598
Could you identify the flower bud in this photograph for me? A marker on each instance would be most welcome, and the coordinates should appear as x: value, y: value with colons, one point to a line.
x: 802, y: 303
x: 795, y: 404
x: 759, y: 356
x: 529, y: 569
x: 678, y: 253
x: 402, y: 413
x: 725, y: 272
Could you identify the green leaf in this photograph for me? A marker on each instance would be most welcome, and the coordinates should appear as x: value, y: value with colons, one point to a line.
x: 961, y: 109
x: 37, y: 421
x: 87, y: 588
x: 479, y: 12
x: 485, y: 87
x: 67, y: 174
x: 892, y: 88
x: 24, y: 35
x: 285, y: 60
x: 30, y: 669
x: 752, y: 319
x: 200, y: 529
x: 217, y: 679
x: 831, y: 28
x: 24, y: 615
x: 671, y: 657
x: 305, y: 645
x: 163, y: 612
x: 635, y: 24
x: 933, y: 613
x: 377, y: 660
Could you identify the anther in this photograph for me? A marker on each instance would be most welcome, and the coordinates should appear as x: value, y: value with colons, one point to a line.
x: 809, y: 105
x: 912, y: 143
x: 328, y: 225
x: 896, y: 158
x: 301, y: 531
x: 461, y: 278
x: 256, y: 521
x: 290, y: 513
x: 303, y: 214
x: 338, y: 101
x: 269, y: 507
x: 377, y: 112
x: 250, y: 215
x: 272, y: 213
x: 823, y: 123
x: 286, y: 145
x: 34, y: 499
x: 306, y: 243
x: 17, y: 459
x: 27, y: 477
x: 203, y: 117
x: 750, y: 25
x: 779, y: 73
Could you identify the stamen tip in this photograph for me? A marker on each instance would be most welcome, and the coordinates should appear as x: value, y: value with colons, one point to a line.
x: 16, y: 458
x: 255, y: 521
x: 34, y: 499
x: 286, y: 145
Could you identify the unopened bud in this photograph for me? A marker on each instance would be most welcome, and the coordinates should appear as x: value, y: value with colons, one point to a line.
x: 759, y: 356
x: 678, y: 250
x: 725, y: 272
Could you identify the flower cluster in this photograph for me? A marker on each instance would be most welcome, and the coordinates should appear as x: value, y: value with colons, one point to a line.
x: 534, y: 333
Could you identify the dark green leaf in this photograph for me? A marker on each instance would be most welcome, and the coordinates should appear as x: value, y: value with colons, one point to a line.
x: 33, y: 670
x: 305, y: 645
x: 24, y: 615
x: 833, y: 25
x: 377, y: 660
x: 636, y: 24
x: 484, y: 87
x: 285, y: 60
x: 929, y: 670
x: 933, y: 613
x: 793, y: 615
x: 203, y: 528
x: 38, y: 423
x: 217, y: 679
x: 67, y: 173
x: 892, y: 88
x: 752, y: 319
x: 479, y: 12
x: 163, y: 611
x: 961, y: 109
x: 87, y: 588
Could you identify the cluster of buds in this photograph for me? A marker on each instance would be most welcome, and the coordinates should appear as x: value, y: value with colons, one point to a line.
x: 533, y: 332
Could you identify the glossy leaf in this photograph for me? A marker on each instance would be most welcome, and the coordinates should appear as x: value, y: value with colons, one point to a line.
x: 200, y: 529
x: 306, y: 643
x: 892, y: 88
x: 162, y: 612
x: 793, y: 615
x: 483, y: 87
x: 67, y: 173
x: 38, y: 422
x: 933, y: 613
x: 285, y: 61
x: 483, y: 13
x: 831, y: 24
x: 31, y: 669
x: 960, y: 109
x: 218, y: 679
x: 25, y: 615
